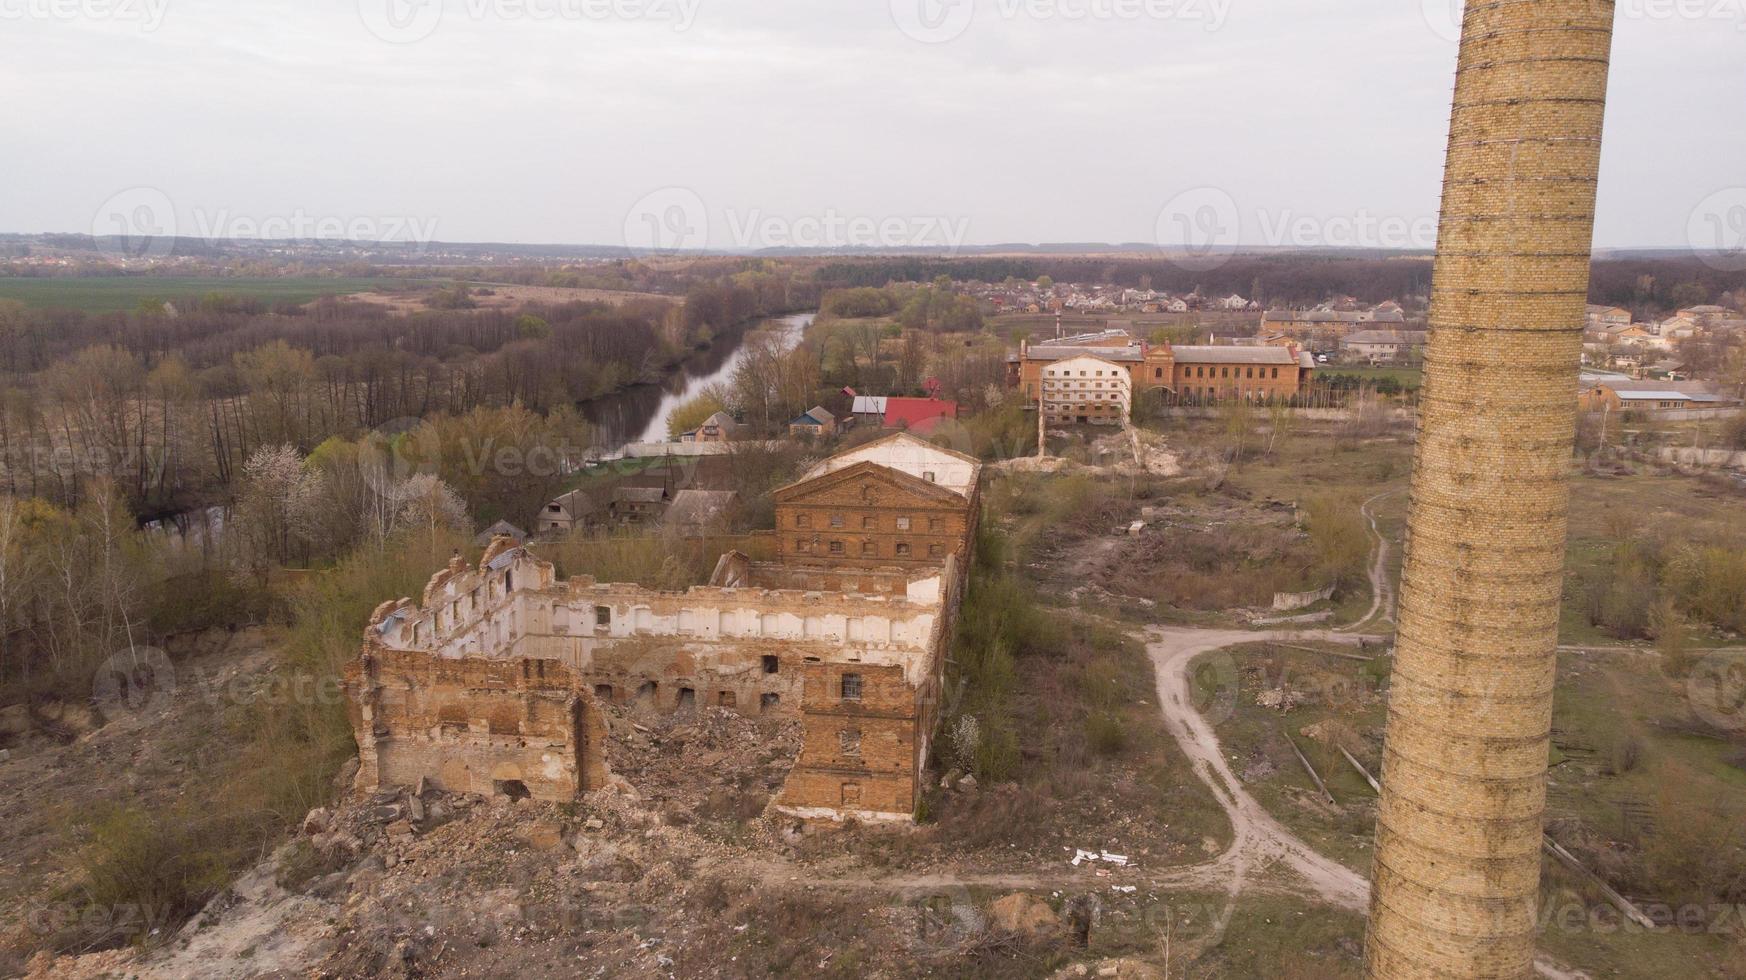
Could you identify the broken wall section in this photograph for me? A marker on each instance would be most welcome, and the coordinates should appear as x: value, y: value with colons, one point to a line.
x: 474, y: 726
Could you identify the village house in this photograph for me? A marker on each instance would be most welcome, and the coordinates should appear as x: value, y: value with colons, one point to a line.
x: 501, y: 529
x: 719, y: 427
x: 570, y: 512
x: 1602, y: 317
x: 1654, y: 397
x: 1679, y: 328
x: 817, y: 423
x: 1713, y: 318
x: 636, y: 506
x: 1382, y: 346
x: 1086, y: 390
x: 918, y: 415
x: 1324, y: 328
x: 868, y: 409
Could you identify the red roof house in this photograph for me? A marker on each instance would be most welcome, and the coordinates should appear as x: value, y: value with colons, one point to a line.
x: 909, y: 413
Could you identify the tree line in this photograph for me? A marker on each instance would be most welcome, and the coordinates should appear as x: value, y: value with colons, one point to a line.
x: 169, y: 403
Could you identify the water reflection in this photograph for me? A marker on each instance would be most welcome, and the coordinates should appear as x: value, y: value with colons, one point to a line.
x: 639, y: 414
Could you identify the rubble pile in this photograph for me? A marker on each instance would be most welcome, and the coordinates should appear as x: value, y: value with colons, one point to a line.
x: 704, y: 764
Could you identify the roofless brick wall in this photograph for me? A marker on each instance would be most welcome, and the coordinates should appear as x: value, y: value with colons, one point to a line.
x: 1457, y: 865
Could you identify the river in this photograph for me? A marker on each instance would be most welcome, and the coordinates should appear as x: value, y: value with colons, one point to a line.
x: 640, y: 413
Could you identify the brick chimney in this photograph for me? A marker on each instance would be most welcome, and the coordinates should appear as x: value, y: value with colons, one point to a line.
x: 1458, y: 835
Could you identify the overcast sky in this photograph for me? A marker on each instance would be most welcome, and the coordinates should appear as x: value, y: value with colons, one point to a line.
x: 748, y: 123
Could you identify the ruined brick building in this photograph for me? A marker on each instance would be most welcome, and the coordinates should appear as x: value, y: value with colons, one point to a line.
x: 1457, y: 865
x: 899, y: 500
x: 495, y: 681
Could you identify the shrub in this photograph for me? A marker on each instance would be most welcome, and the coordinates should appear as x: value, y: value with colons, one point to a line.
x: 1710, y: 581
x: 1341, y: 539
x: 142, y: 870
x: 1106, y: 733
x: 1625, y: 752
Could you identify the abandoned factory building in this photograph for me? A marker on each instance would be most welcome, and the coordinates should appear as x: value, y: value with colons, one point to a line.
x: 496, y: 680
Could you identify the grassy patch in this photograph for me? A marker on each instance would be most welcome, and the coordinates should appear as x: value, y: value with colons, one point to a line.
x: 1064, y: 733
x: 1319, y: 702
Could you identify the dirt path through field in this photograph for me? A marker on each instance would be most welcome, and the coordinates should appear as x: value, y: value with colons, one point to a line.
x: 1381, y: 590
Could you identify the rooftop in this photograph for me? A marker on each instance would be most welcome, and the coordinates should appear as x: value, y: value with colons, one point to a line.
x: 1235, y: 355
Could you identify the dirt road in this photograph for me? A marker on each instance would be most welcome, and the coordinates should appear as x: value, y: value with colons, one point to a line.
x: 1259, y: 841
x: 1381, y: 589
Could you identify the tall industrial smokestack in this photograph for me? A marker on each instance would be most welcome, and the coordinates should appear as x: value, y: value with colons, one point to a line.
x: 1457, y: 867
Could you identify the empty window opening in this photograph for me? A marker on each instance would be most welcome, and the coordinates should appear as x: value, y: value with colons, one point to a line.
x: 603, y: 692
x: 771, y: 664
x: 602, y: 616
x: 515, y: 789
x: 768, y: 701
x: 687, y: 699
x: 648, y: 691
x: 851, y: 687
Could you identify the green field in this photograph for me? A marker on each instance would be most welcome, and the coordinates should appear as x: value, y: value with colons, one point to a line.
x: 108, y: 294
x: 1408, y: 378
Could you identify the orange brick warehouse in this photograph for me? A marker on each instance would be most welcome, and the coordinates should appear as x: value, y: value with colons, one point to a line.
x: 1457, y: 866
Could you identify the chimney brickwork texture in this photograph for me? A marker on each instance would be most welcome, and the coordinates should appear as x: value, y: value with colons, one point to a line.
x: 1457, y: 866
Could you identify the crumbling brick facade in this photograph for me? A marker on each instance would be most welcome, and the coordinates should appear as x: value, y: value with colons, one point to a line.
x: 1457, y: 866
x: 496, y: 674
x: 474, y: 726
